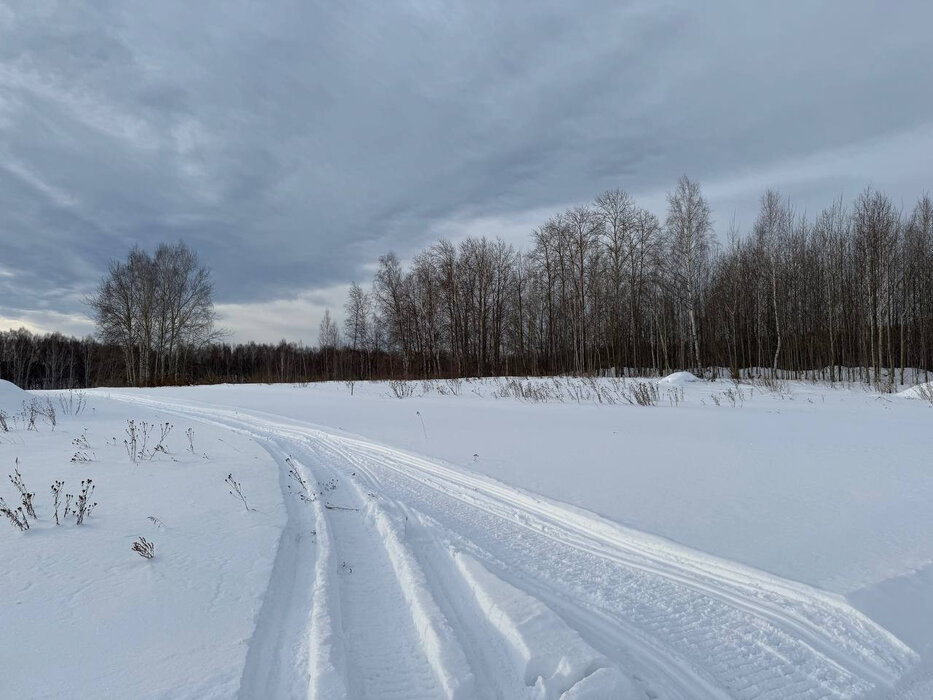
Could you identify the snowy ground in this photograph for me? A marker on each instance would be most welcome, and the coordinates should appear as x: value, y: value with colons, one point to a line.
x: 535, y: 538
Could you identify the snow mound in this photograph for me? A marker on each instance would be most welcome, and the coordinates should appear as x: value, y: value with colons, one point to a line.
x: 11, y: 397
x: 921, y: 391
x: 679, y: 379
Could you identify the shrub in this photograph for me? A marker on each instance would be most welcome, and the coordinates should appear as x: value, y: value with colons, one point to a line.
x: 164, y: 430
x: 83, y: 507
x: 144, y: 548
x: 16, y: 517
x: 73, y: 403
x: 236, y: 491
x: 401, y: 389
x: 24, y: 493
x: 56, y: 498
x: 305, y: 494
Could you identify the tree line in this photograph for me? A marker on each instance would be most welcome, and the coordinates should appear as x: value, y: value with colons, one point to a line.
x: 610, y: 287
x: 56, y: 361
x: 605, y: 287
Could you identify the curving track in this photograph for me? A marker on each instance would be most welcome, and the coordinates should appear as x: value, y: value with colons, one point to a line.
x: 413, y: 579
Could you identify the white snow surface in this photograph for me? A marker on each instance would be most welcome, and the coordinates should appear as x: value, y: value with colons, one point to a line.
x: 732, y: 541
x: 920, y: 391
x: 12, y: 398
x: 679, y: 379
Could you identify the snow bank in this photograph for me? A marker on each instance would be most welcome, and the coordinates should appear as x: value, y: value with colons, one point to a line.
x: 920, y: 391
x: 11, y: 397
x: 679, y: 379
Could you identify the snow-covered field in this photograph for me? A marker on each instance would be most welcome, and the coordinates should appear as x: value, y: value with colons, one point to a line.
x: 476, y: 539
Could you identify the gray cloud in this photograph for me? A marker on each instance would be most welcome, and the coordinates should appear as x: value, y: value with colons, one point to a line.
x: 293, y: 142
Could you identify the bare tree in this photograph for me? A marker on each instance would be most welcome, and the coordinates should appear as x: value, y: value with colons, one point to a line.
x: 689, y: 229
x: 328, y: 335
x: 156, y: 308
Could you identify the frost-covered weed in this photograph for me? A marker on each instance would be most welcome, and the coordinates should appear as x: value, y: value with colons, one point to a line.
x: 236, y: 491
x: 17, y: 517
x: 56, y: 498
x: 25, y: 495
x: 73, y: 403
x: 401, y: 389
x: 144, y: 548
x: 83, y: 506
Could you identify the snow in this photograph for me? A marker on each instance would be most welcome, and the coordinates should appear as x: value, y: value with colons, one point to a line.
x: 733, y: 540
x: 679, y: 379
x: 751, y: 483
x: 920, y: 391
x: 12, y: 398
x: 83, y: 615
x: 551, y: 657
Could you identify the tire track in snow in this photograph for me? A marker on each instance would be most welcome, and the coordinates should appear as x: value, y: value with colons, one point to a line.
x: 692, y: 625
x: 277, y: 660
x: 745, y: 632
x: 385, y: 657
x: 336, y: 623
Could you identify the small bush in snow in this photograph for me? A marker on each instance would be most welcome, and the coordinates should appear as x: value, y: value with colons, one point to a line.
x: 236, y: 491
x: 640, y: 393
x: 83, y: 506
x: 131, y: 441
x: 401, y: 389
x: 81, y: 441
x: 16, y: 517
x: 189, y: 433
x: 56, y: 498
x: 4, y: 426
x: 137, y: 439
x: 73, y: 403
x: 735, y: 396
x: 144, y: 548
x: 24, y: 493
x: 30, y: 414
x: 769, y: 383
x: 675, y: 396
x: 646, y: 393
x: 304, y: 491
x: 164, y: 430
x: 36, y: 409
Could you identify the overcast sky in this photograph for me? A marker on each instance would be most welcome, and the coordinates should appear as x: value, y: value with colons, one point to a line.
x: 292, y: 143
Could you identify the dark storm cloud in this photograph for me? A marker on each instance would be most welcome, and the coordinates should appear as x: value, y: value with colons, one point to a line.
x: 291, y: 143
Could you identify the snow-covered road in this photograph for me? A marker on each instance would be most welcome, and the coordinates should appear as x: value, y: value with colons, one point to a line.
x: 404, y: 577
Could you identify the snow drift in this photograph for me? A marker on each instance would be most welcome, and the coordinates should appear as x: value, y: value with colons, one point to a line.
x: 679, y: 379
x: 920, y: 391
x: 11, y: 397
